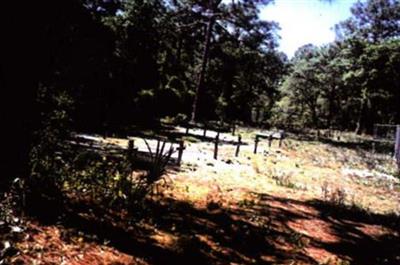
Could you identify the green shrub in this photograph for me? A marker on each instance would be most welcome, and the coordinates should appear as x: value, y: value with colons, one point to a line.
x: 159, y: 160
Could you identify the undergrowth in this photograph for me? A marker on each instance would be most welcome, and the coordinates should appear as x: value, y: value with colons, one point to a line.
x: 62, y: 172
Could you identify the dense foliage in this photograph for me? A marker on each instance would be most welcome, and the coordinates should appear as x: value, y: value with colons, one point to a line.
x: 120, y: 67
x: 102, y: 65
x: 352, y: 83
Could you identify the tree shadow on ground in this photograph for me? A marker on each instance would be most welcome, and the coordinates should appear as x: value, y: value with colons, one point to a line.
x: 267, y: 230
x: 363, y: 150
x: 350, y: 233
x: 169, y: 132
x: 350, y: 225
x: 366, y: 145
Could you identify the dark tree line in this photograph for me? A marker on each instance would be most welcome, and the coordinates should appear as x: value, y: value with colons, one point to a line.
x: 95, y: 65
x: 105, y: 64
x: 352, y: 83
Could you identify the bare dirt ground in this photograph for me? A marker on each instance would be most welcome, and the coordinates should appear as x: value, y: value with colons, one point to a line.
x: 308, y: 202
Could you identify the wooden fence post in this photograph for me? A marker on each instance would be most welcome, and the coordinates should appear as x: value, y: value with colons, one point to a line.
x: 205, y: 131
x: 375, y: 131
x: 216, y: 146
x: 238, y: 145
x: 131, y: 145
x: 256, y: 144
x: 180, y: 152
x: 187, y: 129
x: 91, y: 143
x: 282, y: 136
x: 270, y: 138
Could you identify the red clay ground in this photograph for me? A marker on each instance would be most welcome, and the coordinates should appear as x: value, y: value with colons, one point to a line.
x: 294, y: 205
x: 265, y: 230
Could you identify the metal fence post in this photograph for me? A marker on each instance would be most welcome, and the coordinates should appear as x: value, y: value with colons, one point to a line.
x: 397, y: 146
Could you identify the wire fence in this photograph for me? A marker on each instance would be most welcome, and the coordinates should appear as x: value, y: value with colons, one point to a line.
x: 386, y: 138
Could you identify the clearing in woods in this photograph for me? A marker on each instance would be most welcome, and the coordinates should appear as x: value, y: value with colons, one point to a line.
x: 308, y: 202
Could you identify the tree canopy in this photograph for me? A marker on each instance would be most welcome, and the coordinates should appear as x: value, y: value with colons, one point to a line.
x: 123, y: 62
x: 351, y: 83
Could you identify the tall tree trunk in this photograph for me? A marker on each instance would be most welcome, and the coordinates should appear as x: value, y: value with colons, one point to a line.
x: 312, y: 106
x: 331, y: 107
x: 314, y: 117
x: 360, y: 119
x: 179, y: 49
x: 203, y: 67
